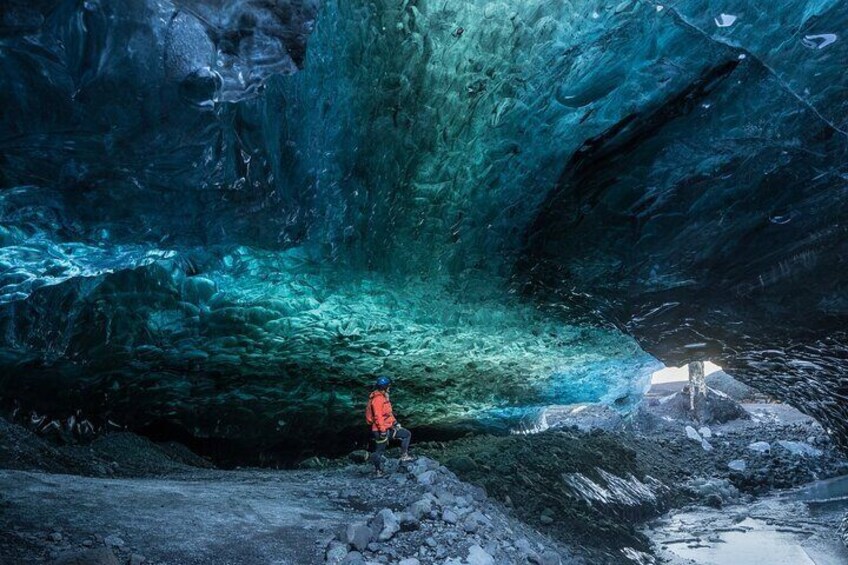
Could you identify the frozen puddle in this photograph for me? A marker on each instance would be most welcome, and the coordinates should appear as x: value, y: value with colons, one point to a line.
x: 752, y: 544
x: 776, y: 531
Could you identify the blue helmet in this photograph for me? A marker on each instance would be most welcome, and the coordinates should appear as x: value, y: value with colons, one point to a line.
x: 383, y: 382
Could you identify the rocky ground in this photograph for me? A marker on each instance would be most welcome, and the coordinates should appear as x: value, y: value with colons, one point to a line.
x: 418, y: 513
x: 586, y: 486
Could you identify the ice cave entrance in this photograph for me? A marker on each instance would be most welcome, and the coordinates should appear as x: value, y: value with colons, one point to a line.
x: 678, y: 374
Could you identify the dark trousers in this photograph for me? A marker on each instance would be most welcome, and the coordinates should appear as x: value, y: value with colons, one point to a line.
x: 402, y: 434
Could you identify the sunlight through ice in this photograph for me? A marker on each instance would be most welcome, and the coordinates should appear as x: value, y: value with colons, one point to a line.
x: 675, y: 374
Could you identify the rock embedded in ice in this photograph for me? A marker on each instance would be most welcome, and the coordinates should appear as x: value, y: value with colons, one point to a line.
x: 819, y: 41
x: 737, y: 465
x: 800, y: 449
x: 725, y: 20
x: 760, y: 446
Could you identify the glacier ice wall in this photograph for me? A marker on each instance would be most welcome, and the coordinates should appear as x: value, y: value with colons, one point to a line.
x: 217, y: 209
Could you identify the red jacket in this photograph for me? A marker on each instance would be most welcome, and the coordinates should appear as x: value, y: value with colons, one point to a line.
x: 379, y: 412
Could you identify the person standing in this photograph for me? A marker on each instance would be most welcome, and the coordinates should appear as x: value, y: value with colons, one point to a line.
x: 384, y: 425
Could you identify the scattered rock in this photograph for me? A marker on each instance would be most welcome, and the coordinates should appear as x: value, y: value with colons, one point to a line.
x: 449, y: 516
x: 136, y: 559
x: 843, y: 530
x: 427, y: 478
x: 760, y: 446
x: 114, y: 541
x: 479, y: 556
x: 385, y: 524
x: 353, y: 558
x: 55, y: 537
x: 478, y: 493
x: 692, y: 434
x: 705, y: 432
x: 474, y: 521
x: 358, y: 536
x: 336, y: 552
x: 409, y: 561
x: 420, y: 508
x: 737, y: 465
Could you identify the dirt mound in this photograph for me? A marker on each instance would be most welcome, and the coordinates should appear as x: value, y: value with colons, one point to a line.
x: 115, y: 454
x: 588, y: 489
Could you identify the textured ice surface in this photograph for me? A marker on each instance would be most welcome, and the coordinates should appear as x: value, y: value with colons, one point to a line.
x: 675, y: 169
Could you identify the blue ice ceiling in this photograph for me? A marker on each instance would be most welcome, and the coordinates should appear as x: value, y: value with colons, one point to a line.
x: 228, y: 212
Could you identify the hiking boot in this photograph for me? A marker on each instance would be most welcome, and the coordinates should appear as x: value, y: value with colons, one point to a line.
x: 406, y: 457
x: 378, y: 473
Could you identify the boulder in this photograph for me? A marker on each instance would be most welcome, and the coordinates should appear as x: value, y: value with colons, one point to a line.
x: 474, y: 522
x: 358, y: 536
x: 385, y: 524
x: 449, y: 516
x: 427, y: 478
x: 479, y: 556
x: 420, y: 508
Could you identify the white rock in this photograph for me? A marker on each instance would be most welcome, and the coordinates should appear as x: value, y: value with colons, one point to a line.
x: 705, y: 432
x: 386, y: 523
x: 693, y: 435
x: 725, y: 20
x: 737, y: 465
x: 760, y: 446
x: 478, y: 556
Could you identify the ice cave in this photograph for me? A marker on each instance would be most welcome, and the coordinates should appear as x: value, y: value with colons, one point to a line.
x: 598, y: 248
